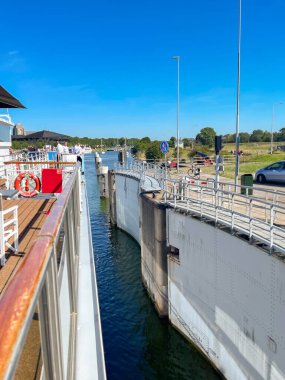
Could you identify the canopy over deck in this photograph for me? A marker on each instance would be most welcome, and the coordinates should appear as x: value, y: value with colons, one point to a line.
x: 8, y: 101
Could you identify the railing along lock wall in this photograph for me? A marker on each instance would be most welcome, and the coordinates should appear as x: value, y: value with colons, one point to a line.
x: 258, y: 216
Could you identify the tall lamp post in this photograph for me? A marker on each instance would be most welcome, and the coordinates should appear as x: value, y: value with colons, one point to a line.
x: 177, y: 58
x: 237, y: 101
x: 272, y: 125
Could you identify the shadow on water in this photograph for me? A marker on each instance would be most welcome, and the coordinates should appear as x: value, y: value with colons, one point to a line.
x: 137, y: 343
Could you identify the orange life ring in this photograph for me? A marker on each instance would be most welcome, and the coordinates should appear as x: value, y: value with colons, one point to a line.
x: 28, y: 184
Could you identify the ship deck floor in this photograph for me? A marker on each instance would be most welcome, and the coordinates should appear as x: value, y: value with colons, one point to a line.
x: 32, y: 213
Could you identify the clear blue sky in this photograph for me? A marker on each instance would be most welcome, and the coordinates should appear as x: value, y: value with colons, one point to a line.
x: 104, y: 68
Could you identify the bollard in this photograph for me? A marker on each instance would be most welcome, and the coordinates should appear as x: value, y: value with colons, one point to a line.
x: 102, y: 174
x: 121, y: 157
x: 112, y: 196
x: 98, y: 162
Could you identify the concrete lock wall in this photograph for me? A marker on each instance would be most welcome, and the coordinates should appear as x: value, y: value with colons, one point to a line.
x: 144, y: 219
x: 154, y: 252
x: 112, y: 196
x: 127, y: 205
x: 228, y: 297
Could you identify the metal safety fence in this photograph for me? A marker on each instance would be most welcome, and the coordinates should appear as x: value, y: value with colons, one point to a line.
x: 257, y: 213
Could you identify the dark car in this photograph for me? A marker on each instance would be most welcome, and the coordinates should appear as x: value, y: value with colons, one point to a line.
x: 203, y: 159
x: 170, y: 164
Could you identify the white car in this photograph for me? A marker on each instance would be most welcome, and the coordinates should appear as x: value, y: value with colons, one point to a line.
x: 274, y: 172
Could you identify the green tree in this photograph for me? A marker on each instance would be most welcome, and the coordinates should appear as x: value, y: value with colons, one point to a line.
x: 230, y: 138
x: 145, y: 140
x: 186, y: 142
x: 266, y: 136
x: 244, y: 137
x: 153, y: 151
x: 122, y: 141
x: 171, y: 142
x: 206, y: 136
x: 279, y: 136
x: 256, y: 135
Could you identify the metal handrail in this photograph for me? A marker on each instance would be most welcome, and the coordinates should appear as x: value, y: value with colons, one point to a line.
x: 257, y: 216
x: 253, y: 216
x: 36, y: 282
x: 153, y: 170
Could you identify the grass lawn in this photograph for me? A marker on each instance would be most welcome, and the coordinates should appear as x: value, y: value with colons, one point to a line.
x: 247, y: 166
x: 255, y: 156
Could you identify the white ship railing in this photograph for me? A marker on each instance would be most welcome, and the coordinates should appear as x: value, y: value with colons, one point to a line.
x: 11, y: 169
x: 260, y: 217
x: 47, y: 282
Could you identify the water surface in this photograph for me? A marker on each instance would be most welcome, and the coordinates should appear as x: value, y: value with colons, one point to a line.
x: 137, y: 343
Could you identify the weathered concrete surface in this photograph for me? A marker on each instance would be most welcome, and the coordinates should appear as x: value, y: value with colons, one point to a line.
x: 154, y: 251
x: 98, y: 161
x: 112, y: 196
x: 228, y: 297
x: 127, y: 205
x: 102, y: 173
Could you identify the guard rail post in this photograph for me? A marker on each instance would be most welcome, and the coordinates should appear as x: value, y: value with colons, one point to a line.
x: 271, y: 228
x: 250, y: 220
x: 216, y: 207
x: 50, y: 327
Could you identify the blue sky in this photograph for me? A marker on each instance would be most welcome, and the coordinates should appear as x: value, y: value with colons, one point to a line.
x: 104, y: 68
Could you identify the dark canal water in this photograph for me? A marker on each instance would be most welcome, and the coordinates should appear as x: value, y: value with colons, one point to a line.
x: 137, y: 344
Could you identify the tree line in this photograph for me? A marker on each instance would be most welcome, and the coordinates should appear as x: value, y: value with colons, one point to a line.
x: 207, y: 136
x: 93, y: 142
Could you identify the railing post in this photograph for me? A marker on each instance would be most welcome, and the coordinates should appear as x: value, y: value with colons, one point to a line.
x: 275, y: 195
x: 71, y: 257
x: 233, y: 214
x: 250, y: 220
x: 50, y: 328
x: 216, y: 206
x: 271, y: 227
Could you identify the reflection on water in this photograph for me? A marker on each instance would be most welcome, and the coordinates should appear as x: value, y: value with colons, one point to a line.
x: 138, y: 345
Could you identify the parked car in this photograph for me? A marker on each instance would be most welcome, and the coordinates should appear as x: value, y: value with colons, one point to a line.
x: 203, y: 159
x: 170, y: 164
x: 274, y: 172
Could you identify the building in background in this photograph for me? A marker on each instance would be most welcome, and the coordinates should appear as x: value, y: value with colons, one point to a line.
x: 181, y: 143
x: 43, y: 136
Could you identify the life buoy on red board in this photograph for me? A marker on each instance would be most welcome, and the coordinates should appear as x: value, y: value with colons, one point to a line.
x: 28, y: 184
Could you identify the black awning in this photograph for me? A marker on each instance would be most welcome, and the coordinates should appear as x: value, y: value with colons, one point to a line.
x: 8, y: 101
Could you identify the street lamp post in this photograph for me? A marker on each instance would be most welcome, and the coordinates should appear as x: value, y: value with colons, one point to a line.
x: 272, y: 126
x: 237, y: 101
x: 177, y: 57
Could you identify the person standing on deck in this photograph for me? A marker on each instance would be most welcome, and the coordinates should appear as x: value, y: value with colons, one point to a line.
x: 65, y: 148
x: 78, y: 152
x: 59, y: 149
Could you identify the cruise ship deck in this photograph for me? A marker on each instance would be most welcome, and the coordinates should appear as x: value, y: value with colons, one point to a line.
x: 32, y: 214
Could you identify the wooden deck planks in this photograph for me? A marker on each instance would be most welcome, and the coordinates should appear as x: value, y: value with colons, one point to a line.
x: 32, y: 214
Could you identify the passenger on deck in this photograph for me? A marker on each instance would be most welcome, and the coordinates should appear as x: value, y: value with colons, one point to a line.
x: 59, y: 149
x: 65, y: 148
x: 78, y: 152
